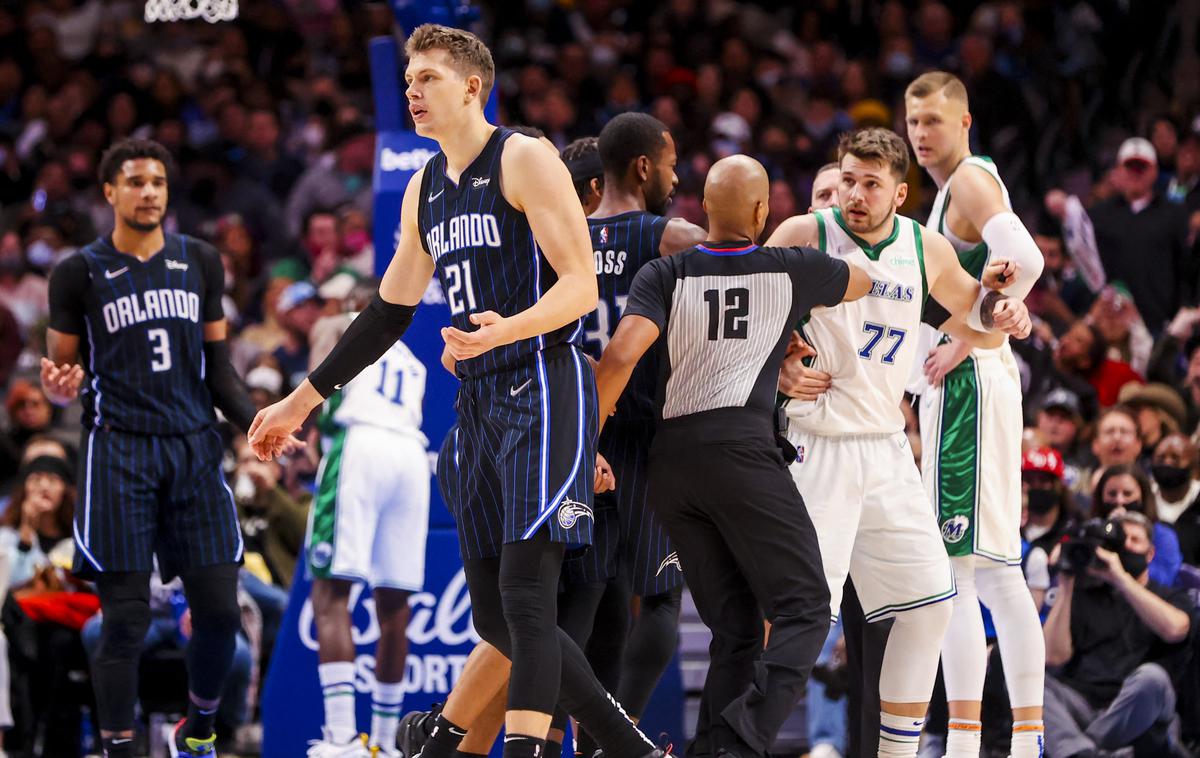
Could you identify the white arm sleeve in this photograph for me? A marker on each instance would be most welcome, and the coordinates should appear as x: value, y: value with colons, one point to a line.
x: 1007, y: 237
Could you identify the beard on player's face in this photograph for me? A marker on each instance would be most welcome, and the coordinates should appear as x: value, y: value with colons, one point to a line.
x: 141, y: 226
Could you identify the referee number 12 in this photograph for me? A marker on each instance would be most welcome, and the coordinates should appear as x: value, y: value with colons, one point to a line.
x: 729, y: 322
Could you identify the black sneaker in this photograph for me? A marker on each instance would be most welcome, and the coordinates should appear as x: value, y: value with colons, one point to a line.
x: 414, y: 730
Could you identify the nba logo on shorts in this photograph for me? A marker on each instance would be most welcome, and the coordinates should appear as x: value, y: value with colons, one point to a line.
x: 799, y: 453
x: 571, y: 511
x: 955, y: 529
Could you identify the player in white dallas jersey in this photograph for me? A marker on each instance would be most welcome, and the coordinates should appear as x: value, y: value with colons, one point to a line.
x: 970, y: 414
x: 855, y: 471
x: 368, y: 524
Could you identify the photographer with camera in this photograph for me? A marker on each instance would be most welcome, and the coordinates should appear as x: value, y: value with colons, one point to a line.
x: 1126, y: 487
x: 1118, y: 637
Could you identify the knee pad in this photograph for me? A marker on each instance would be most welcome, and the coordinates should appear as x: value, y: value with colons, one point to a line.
x: 1018, y: 631
x: 483, y: 576
x: 125, y: 605
x: 212, y: 597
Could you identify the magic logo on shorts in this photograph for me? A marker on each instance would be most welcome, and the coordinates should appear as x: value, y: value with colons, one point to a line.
x: 670, y: 560
x: 571, y: 511
x: 954, y: 529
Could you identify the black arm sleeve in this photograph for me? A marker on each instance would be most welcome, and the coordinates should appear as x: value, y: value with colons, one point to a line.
x: 369, y: 336
x: 228, y: 392
x: 934, y: 314
x: 650, y: 293
x: 68, y: 287
x: 821, y: 278
x: 213, y: 271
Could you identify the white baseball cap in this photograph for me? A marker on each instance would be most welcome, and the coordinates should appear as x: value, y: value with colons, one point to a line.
x: 1137, y: 149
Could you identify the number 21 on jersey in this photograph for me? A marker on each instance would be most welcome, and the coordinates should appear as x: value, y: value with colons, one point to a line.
x: 460, y: 294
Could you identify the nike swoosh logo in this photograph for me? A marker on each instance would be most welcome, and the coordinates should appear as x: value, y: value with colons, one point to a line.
x: 115, y: 274
x: 122, y: 742
x: 514, y: 391
x: 435, y: 197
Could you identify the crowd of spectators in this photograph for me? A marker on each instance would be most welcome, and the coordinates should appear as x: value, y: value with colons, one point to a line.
x: 269, y: 118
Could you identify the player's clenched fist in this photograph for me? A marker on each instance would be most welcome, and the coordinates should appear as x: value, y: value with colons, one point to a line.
x: 605, y: 481
x: 1012, y: 317
x: 999, y: 273
x: 61, y: 383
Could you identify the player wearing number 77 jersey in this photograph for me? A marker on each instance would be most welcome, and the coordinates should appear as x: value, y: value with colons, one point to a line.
x: 141, y: 309
x: 854, y: 469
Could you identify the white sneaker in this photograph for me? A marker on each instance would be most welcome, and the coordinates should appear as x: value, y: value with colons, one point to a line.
x: 327, y: 748
x: 824, y: 750
x: 379, y: 751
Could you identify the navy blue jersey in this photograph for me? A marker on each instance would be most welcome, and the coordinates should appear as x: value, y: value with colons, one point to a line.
x: 141, y: 330
x: 485, y: 253
x: 622, y: 244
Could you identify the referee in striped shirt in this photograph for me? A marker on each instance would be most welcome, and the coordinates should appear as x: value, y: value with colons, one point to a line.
x: 718, y: 465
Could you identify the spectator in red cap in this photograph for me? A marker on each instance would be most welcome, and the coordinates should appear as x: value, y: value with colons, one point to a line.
x: 1049, y: 511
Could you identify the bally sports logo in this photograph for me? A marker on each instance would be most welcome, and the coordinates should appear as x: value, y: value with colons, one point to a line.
x: 444, y: 619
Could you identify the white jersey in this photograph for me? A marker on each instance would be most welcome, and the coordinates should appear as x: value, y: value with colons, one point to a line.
x: 388, y: 394
x: 868, y: 346
x: 972, y: 256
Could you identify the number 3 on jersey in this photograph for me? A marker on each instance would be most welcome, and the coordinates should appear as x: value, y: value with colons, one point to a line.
x: 877, y: 333
x: 459, y: 292
x: 162, y: 349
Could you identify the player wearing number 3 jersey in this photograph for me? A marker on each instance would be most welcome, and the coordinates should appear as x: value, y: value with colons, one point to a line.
x: 141, y: 310
x: 854, y: 468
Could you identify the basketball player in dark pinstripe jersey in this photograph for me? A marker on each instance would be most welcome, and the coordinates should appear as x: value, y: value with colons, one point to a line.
x: 141, y: 309
x: 494, y: 214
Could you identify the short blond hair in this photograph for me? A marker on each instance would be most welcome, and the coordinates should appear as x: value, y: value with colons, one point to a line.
x: 468, y: 55
x: 933, y: 82
x: 876, y: 144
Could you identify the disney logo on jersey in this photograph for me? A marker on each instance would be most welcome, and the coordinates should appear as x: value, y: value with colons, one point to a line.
x: 670, y: 560
x: 571, y: 511
x: 480, y: 181
x: 176, y: 265
x: 609, y: 261
x: 891, y: 291
x: 410, y: 160
x: 954, y: 529
x: 463, y: 231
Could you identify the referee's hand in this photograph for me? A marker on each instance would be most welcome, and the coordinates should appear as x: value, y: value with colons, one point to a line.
x: 61, y: 383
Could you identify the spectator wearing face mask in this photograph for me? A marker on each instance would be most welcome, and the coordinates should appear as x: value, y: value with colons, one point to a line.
x: 1049, y: 511
x: 1126, y: 489
x: 1116, y: 642
x: 1176, y: 492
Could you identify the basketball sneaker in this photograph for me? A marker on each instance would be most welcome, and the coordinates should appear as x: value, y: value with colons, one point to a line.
x: 191, y: 747
x: 327, y: 748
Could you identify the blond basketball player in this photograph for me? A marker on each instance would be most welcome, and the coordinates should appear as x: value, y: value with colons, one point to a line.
x: 854, y: 468
x: 970, y: 415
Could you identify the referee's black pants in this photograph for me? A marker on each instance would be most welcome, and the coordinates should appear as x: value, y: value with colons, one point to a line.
x: 748, y: 549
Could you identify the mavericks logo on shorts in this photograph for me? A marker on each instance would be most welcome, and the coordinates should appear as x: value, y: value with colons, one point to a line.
x: 571, y: 511
x: 321, y: 554
x: 954, y: 529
